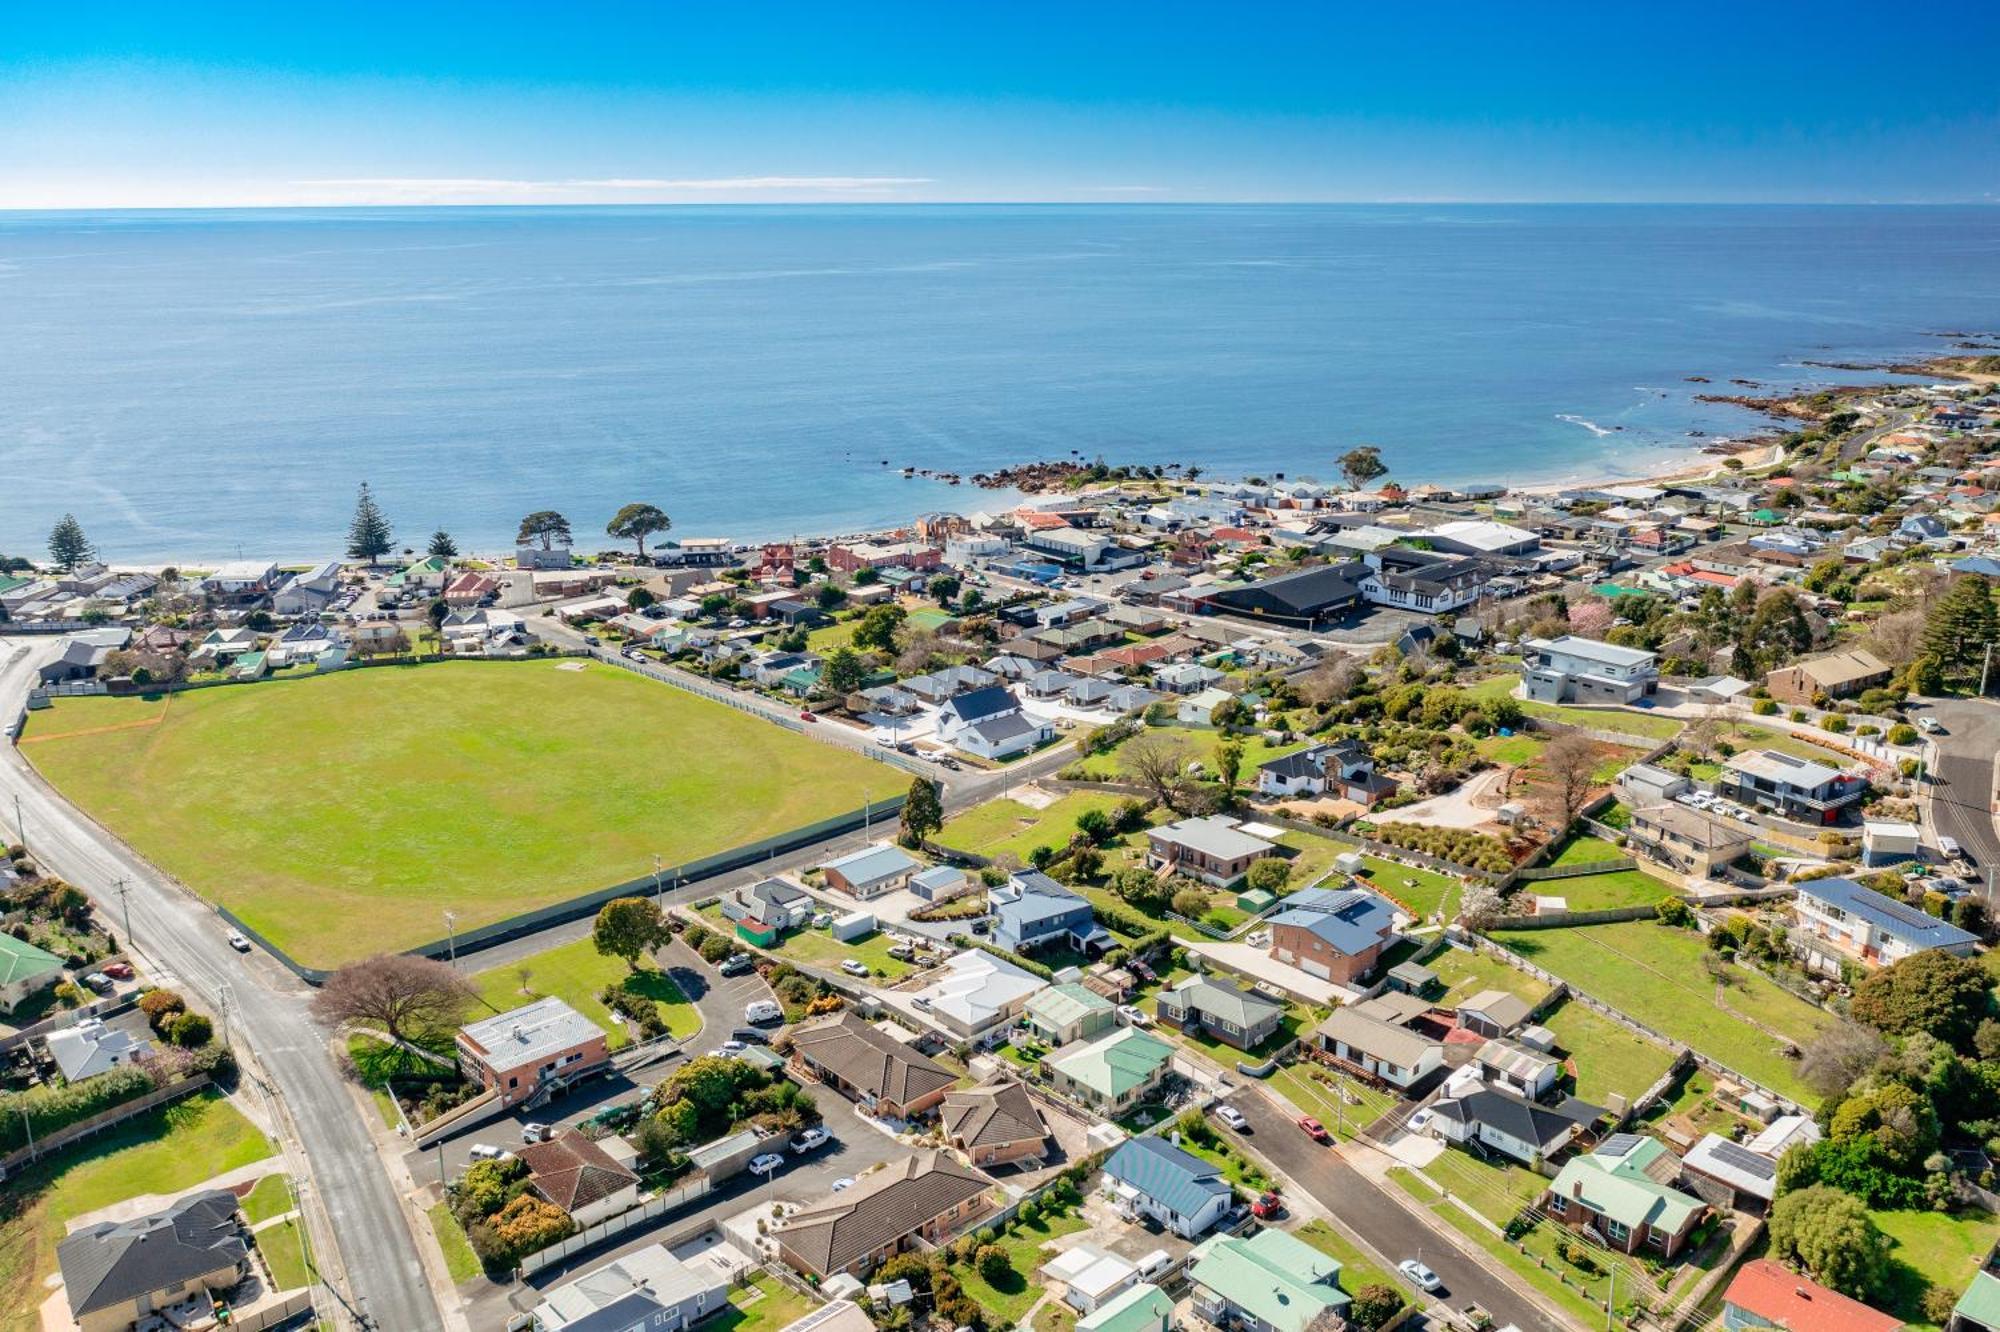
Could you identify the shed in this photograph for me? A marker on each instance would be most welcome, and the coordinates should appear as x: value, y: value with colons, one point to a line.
x: 1412, y: 978
x: 853, y: 925
x: 1256, y: 901
x: 757, y: 932
x: 1349, y: 862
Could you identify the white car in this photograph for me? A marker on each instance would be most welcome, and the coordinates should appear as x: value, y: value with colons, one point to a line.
x: 844, y: 1182
x: 1231, y: 1116
x: 1133, y: 1016
x: 532, y: 1132
x: 811, y: 1138
x: 766, y: 1163
x: 238, y: 942
x: 762, y: 1011
x: 1420, y: 1121
x: 486, y: 1151
x: 854, y: 968
x: 1929, y: 724
x: 731, y: 1048
x: 1420, y: 1276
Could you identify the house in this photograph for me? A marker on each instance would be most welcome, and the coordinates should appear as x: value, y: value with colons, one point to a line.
x: 879, y: 869
x: 1516, y: 1068
x: 1719, y: 690
x: 1734, y: 1175
x: 1978, y: 1309
x: 520, y: 1051
x: 307, y: 593
x: 1471, y: 1113
x: 770, y: 901
x: 988, y: 722
x: 1213, y: 849
x: 994, y: 1124
x: 1765, y: 1296
x: 650, y: 1289
x: 1141, y: 1308
x: 1344, y: 769
x: 117, y: 1274
x: 25, y: 970
x: 469, y: 589
x: 926, y: 1195
x: 1810, y: 682
x: 1207, y: 1006
x: 1620, y: 1194
x: 1686, y: 839
x: 482, y: 631
x: 1199, y: 709
x: 1309, y: 598
x: 1786, y: 784
x: 240, y: 582
x: 1386, y: 1051
x: 1493, y: 1012
x: 1064, y: 1014
x: 1838, y: 920
x: 1031, y: 910
x: 1187, y: 677
x: 89, y: 1048
x: 868, y: 1065
x: 1336, y: 934
x: 1419, y: 580
x: 1112, y: 1073
x: 857, y: 555
x: 1582, y: 670
x: 580, y: 1177
x: 977, y: 995
x: 1270, y: 1282
x: 80, y: 659
x: 1089, y: 1276
x: 1150, y: 1177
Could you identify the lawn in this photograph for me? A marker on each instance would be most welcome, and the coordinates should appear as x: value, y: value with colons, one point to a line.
x: 1584, y: 850
x: 1603, y: 892
x: 459, y: 1259
x: 1422, y: 891
x: 341, y: 815
x: 574, y: 973
x: 1523, y: 1266
x: 1497, y: 1190
x: 164, y: 1151
x: 1655, y: 974
x: 764, y: 1305
x: 1017, y: 1292
x: 270, y: 1198
x: 1636, y: 724
x: 819, y: 948
x: 1608, y: 1057
x: 1201, y: 743
x: 1356, y: 1271
x: 1749, y: 735
x: 283, y: 1254
x: 1314, y: 1091
x: 1465, y: 973
x: 1512, y: 751
x: 1933, y: 1249
x: 1009, y: 827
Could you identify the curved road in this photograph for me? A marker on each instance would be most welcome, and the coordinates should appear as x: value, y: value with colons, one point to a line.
x: 266, y: 1010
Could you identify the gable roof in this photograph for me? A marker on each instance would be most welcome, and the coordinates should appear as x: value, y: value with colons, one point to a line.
x: 872, y: 864
x: 1179, y: 1181
x: 1030, y: 898
x: 1916, y: 928
x: 1371, y: 1035
x: 1507, y: 1113
x: 1782, y: 1299
x: 881, y: 1209
x: 109, y: 1264
x: 873, y: 1061
x: 1225, y: 999
x: 978, y: 986
x: 1613, y: 1182
x: 999, y: 1112
x: 21, y: 960
x: 1352, y: 920
x: 1498, y: 1006
x: 571, y: 1171
x: 1116, y: 1062
x: 1060, y: 1005
x: 976, y: 705
x: 1276, y: 1278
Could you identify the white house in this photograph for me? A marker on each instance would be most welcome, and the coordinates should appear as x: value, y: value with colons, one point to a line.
x: 1394, y: 1054
x: 1466, y: 1112
x: 988, y: 722
x: 1199, y: 709
x: 1836, y: 920
x: 1516, y: 1068
x: 1150, y: 1177
x: 1582, y: 670
x: 650, y: 1289
x: 1090, y: 1277
x: 976, y: 995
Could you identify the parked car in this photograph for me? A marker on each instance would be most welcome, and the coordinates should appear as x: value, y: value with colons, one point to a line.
x: 237, y: 941
x: 534, y: 1132
x: 760, y: 1012
x: 823, y: 921
x: 1268, y: 1208
x: 1929, y: 725
x: 1133, y: 1016
x: 751, y: 1036
x: 806, y: 714
x: 1420, y: 1121
x: 118, y: 970
x: 844, y: 1182
x: 811, y: 1138
x: 731, y: 1048
x: 593, y: 640
x: 854, y: 968
x: 486, y: 1151
x: 1314, y: 1129
x: 1420, y: 1276
x: 982, y: 926
x: 1233, y: 1117
x: 902, y: 952
x: 765, y: 1164
x: 736, y: 964
x: 1141, y: 970
x: 98, y: 981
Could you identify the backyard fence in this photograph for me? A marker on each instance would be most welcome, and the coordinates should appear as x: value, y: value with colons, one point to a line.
x: 1548, y: 920
x: 97, y: 1123
x: 1576, y: 871
x: 650, y: 1210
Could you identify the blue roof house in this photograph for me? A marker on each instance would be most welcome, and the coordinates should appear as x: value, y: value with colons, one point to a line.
x: 1031, y: 910
x: 1836, y: 920
x: 1151, y: 1177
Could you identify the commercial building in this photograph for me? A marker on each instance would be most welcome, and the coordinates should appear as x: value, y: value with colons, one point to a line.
x: 519, y: 1052
x: 1308, y: 598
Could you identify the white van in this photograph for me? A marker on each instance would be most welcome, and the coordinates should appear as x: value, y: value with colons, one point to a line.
x: 1949, y: 845
x: 763, y: 1010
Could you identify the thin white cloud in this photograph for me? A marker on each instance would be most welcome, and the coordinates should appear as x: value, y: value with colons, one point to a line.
x: 483, y: 185
x: 1125, y: 189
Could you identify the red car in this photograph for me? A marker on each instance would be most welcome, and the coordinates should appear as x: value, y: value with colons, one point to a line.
x: 1268, y: 1208
x: 807, y: 716
x: 118, y: 970
x: 1314, y: 1129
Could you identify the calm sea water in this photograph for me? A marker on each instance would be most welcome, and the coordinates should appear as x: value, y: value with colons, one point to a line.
x: 192, y: 384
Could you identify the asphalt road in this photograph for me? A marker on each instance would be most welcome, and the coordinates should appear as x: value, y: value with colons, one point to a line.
x: 1385, y: 1222
x: 1962, y: 780
x: 266, y: 1008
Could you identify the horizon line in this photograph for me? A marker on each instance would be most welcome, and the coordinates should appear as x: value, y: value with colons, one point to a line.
x: 1153, y: 202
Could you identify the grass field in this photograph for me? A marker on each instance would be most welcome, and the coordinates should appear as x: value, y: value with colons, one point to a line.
x: 765, y: 1305
x: 1749, y: 735
x: 161, y: 1152
x: 1017, y: 1292
x: 1465, y: 973
x: 1635, y: 724
x: 1609, y: 1057
x: 459, y: 1259
x: 575, y: 972
x: 1009, y: 827
x: 269, y: 1198
x: 1497, y: 1191
x: 1655, y: 974
x: 1602, y: 892
x: 280, y: 1245
x: 1933, y: 1249
x: 341, y: 815
x: 1200, y: 743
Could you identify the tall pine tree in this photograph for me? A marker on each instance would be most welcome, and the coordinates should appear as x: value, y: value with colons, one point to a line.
x: 68, y: 546
x: 368, y: 535
x: 1960, y: 626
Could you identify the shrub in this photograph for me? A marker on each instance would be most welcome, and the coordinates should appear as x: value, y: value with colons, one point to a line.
x: 161, y: 1007
x: 47, y: 1109
x: 1796, y: 714
x: 191, y: 1031
x: 1764, y: 707
x: 524, y: 1225
x: 1902, y: 733
x: 994, y: 1265
x: 715, y: 948
x: 695, y: 936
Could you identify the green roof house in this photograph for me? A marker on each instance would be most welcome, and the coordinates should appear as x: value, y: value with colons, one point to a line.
x: 1064, y: 1013
x: 24, y: 970
x: 801, y: 681
x: 1270, y: 1281
x: 1622, y: 1194
x: 1140, y: 1308
x: 426, y: 572
x: 1978, y: 1308
x: 1113, y: 1073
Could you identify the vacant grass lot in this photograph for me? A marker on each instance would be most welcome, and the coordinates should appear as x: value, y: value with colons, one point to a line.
x: 161, y: 1152
x: 341, y: 815
x: 1933, y: 1249
x: 575, y: 973
x: 1200, y: 743
x: 1602, y: 892
x: 819, y: 948
x: 1608, y: 1056
x: 1655, y: 974
x: 1465, y: 973
x: 1749, y: 735
x: 1009, y: 827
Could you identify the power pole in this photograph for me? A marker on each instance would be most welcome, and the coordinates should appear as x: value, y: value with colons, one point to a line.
x: 20, y: 824
x: 1985, y: 665
x: 225, y: 995
x: 451, y: 937
x: 124, y: 892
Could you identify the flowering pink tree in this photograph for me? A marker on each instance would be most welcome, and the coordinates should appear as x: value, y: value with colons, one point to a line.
x: 1590, y: 618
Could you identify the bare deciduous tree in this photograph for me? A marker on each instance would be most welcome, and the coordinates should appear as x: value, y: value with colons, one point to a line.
x: 1569, y: 763
x: 1896, y: 636
x: 1331, y: 681
x: 396, y: 992
x: 1160, y: 765
x: 1836, y: 1058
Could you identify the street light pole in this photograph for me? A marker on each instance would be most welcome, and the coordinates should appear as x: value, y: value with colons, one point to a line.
x: 451, y: 937
x: 125, y: 903
x: 20, y: 824
x: 225, y: 993
x: 657, y: 899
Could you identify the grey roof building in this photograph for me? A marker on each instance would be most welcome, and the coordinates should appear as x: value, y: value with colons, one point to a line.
x: 152, y: 1262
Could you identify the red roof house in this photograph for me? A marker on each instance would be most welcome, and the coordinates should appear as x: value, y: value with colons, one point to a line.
x: 1775, y: 1297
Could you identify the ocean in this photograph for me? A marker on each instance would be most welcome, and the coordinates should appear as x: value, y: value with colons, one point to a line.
x: 197, y: 384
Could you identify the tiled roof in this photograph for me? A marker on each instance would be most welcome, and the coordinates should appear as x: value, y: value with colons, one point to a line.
x: 999, y: 1112
x: 109, y: 1264
x: 571, y: 1171
x: 880, y: 1210
x: 871, y: 1060
x: 1770, y: 1292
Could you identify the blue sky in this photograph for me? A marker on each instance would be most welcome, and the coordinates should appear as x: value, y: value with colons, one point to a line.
x: 192, y: 104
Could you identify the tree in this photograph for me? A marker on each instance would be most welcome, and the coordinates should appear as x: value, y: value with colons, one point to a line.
x: 1269, y: 874
x: 1159, y: 764
x: 1931, y: 992
x: 1142, y: 890
x: 1777, y: 630
x: 1838, y: 1056
x: 1228, y: 764
x: 1898, y: 1127
x: 1961, y: 625
x: 190, y: 1031
x: 636, y: 522
x: 994, y: 1264
x: 1095, y: 825
x: 1830, y: 1234
x: 1569, y: 762
x: 546, y: 526
x: 629, y: 928
x: 1590, y: 618
x: 442, y: 546
x: 639, y: 598
x: 1362, y: 464
x: 878, y: 627
x: 923, y: 813
x: 68, y: 546
x: 1191, y: 903
x: 1375, y: 1304
x: 844, y: 671
x: 368, y: 534
x: 402, y: 994
x: 438, y: 610
x: 944, y: 587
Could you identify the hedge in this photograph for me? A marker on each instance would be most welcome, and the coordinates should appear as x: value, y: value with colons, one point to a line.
x: 49, y: 1109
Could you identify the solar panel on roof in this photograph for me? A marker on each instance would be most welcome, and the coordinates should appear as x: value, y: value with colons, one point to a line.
x: 1618, y: 1144
x: 1904, y: 914
x: 1742, y: 1158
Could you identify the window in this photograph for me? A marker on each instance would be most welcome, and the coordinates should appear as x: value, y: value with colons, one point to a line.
x: 1558, y: 1204
x: 1615, y: 1230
